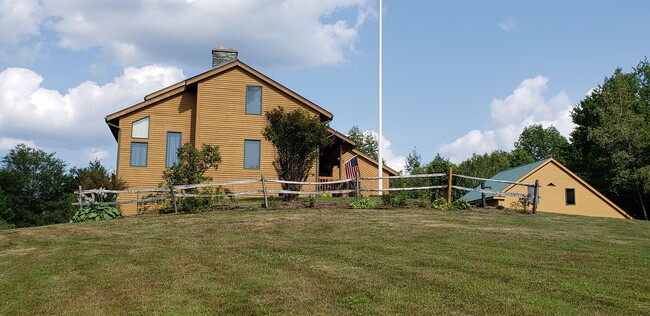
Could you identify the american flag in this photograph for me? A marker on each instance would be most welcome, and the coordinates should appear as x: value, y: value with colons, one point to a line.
x: 352, y: 168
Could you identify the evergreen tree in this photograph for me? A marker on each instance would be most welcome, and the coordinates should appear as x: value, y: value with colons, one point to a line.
x: 96, y: 176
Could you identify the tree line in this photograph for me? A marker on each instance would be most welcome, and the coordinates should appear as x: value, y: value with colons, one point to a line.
x: 609, y: 148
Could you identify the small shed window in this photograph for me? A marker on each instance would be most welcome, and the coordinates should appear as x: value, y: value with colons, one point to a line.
x: 253, y: 100
x: 140, y: 128
x: 570, y: 196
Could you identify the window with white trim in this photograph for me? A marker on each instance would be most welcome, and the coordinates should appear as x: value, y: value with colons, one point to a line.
x: 140, y: 128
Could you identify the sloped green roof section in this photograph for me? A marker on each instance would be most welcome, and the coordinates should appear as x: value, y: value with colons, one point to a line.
x: 513, y: 174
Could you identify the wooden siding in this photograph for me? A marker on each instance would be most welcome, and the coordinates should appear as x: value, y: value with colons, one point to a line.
x: 242, y: 67
x: 552, y: 198
x: 174, y: 114
x: 222, y: 121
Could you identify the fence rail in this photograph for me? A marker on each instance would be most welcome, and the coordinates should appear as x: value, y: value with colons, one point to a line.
x: 309, y: 183
x: 343, y: 186
x: 407, y: 189
x: 431, y: 175
x: 214, y: 184
x: 250, y: 192
x: 495, y: 180
x: 521, y: 195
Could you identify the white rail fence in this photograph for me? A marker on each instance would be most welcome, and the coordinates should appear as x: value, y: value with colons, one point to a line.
x: 345, y: 186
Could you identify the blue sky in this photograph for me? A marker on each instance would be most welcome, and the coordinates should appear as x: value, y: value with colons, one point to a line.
x: 460, y: 77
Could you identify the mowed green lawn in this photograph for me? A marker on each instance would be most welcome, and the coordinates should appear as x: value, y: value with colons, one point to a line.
x: 304, y: 262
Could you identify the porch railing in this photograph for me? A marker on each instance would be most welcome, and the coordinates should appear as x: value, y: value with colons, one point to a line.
x: 330, y: 186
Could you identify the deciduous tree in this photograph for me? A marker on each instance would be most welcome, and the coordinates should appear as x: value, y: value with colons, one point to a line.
x: 486, y: 165
x: 610, y: 146
x: 190, y: 169
x: 520, y: 157
x: 542, y: 143
x: 365, y: 142
x: 37, y: 189
x: 193, y: 164
x: 297, y: 137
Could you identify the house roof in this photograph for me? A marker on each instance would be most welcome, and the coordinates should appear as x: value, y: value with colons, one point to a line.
x: 514, y: 174
x: 519, y: 173
x: 353, y: 144
x: 113, y: 119
x: 389, y: 170
x: 341, y: 136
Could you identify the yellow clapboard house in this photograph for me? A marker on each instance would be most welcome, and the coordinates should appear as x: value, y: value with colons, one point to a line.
x: 225, y: 107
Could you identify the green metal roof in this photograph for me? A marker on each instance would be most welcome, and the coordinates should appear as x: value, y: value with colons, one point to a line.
x: 513, y: 174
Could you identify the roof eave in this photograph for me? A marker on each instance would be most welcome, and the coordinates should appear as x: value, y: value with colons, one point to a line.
x: 386, y: 168
x: 181, y: 86
x: 178, y: 88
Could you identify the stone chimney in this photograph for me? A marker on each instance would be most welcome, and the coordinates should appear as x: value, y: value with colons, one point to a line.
x: 222, y: 56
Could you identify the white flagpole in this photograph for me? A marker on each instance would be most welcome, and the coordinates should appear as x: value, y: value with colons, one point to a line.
x: 381, y: 163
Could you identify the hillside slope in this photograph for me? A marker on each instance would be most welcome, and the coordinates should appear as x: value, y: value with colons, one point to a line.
x: 329, y: 262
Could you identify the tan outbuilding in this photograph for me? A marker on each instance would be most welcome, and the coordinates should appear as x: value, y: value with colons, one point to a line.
x: 560, y: 191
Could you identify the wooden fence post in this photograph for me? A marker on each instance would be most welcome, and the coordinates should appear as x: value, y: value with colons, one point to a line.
x: 483, y: 203
x: 317, y: 168
x: 266, y: 201
x: 173, y: 192
x: 535, y: 196
x: 449, y: 185
x: 357, y: 185
x: 80, y: 197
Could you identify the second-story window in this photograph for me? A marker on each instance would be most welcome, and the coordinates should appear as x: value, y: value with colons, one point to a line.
x: 253, y: 100
x: 140, y: 128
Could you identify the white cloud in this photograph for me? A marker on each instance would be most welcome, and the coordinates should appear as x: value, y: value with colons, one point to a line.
x: 393, y: 160
x: 507, y: 25
x: 298, y: 33
x: 75, y: 120
x: 7, y: 143
x: 524, y: 107
x: 93, y: 154
x: 20, y: 22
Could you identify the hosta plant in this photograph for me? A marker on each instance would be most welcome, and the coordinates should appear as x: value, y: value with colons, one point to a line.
x: 96, y: 212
